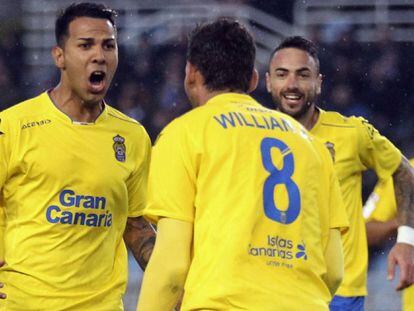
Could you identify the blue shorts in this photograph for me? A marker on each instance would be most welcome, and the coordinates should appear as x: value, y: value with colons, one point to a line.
x: 340, y: 303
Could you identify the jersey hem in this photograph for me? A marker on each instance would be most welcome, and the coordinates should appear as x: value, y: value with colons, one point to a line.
x: 351, y: 292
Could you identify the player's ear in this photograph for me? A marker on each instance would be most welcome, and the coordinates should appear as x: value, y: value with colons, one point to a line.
x: 268, y: 85
x: 58, y: 57
x: 254, y: 81
x: 190, y: 73
x: 319, y: 85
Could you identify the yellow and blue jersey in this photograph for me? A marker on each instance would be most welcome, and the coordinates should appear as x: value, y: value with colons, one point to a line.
x: 355, y: 146
x: 67, y: 190
x: 250, y: 179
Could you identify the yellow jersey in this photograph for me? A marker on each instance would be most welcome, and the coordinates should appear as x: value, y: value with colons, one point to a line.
x: 68, y: 189
x: 2, y: 224
x: 381, y: 206
x: 250, y: 179
x: 355, y: 146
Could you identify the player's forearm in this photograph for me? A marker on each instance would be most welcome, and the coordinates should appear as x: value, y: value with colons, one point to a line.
x: 404, y: 192
x: 139, y: 236
x: 379, y: 231
x: 163, y: 284
x: 335, y: 262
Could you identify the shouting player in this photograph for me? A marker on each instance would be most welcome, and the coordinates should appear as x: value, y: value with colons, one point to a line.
x: 73, y: 179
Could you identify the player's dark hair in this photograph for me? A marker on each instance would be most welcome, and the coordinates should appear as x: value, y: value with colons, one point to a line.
x: 300, y: 43
x: 224, y: 52
x: 75, y: 10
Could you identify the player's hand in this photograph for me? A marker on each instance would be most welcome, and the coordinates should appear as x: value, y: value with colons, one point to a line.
x: 402, y: 255
x: 2, y: 295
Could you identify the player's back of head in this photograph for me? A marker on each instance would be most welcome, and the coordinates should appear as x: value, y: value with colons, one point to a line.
x: 76, y: 10
x: 224, y: 52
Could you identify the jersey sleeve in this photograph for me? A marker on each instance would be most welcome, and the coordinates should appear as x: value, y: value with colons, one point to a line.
x: 138, y: 181
x: 376, y: 151
x: 172, y: 179
x: 381, y: 204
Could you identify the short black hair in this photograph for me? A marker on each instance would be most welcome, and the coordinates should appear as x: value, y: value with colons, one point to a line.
x: 83, y: 9
x: 224, y: 52
x: 300, y: 43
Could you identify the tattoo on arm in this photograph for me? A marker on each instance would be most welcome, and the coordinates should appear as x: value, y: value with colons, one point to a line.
x: 404, y: 192
x: 139, y: 236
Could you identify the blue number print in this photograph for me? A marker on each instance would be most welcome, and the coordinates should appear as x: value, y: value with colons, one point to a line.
x: 279, y: 177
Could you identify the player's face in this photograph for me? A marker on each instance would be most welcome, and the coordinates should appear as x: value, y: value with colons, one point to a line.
x: 293, y: 81
x: 89, y: 58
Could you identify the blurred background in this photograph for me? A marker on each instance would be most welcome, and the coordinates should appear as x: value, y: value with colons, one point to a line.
x: 366, y: 53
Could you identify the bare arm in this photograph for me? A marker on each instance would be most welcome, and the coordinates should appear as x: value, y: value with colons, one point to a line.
x: 139, y: 236
x: 404, y: 192
x: 379, y: 231
x: 402, y: 254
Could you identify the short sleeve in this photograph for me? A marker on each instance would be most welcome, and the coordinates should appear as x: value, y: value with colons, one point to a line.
x: 172, y: 178
x: 381, y: 204
x: 376, y: 151
x: 138, y: 181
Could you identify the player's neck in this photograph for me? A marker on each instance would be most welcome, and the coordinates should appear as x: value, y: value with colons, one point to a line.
x: 204, y: 97
x: 73, y: 106
x: 309, y: 119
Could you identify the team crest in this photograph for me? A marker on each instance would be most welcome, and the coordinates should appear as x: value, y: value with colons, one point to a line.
x: 331, y: 148
x: 119, y: 148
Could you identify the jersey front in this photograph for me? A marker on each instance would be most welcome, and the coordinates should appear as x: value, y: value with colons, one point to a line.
x: 68, y: 189
x: 355, y: 146
x: 249, y: 179
x: 381, y: 206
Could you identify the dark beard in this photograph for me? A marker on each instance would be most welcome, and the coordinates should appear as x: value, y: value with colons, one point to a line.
x: 299, y: 114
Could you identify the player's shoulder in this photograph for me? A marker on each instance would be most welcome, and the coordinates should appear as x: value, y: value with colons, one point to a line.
x: 190, y: 119
x: 29, y: 107
x: 119, y: 116
x: 292, y: 122
x: 335, y: 118
x: 182, y: 122
x: 124, y: 124
x: 122, y: 120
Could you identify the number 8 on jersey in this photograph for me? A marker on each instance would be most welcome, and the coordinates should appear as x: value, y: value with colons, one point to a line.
x: 279, y: 177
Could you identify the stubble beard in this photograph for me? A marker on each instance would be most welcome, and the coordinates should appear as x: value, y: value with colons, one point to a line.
x: 295, y: 114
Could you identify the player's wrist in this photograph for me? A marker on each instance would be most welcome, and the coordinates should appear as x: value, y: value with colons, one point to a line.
x: 405, y: 235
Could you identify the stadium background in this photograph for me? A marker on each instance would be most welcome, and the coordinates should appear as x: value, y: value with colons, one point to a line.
x: 366, y: 53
